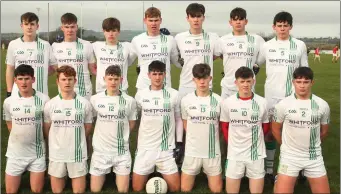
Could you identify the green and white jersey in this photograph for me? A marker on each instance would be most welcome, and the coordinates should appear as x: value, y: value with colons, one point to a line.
x: 67, y: 141
x: 157, y: 126
x: 282, y: 58
x: 151, y: 48
x: 26, y: 140
x: 245, y: 118
x: 107, y: 55
x: 38, y: 54
x: 78, y: 55
x: 111, y: 136
x: 195, y: 49
x: 202, y: 131
x: 301, y: 120
x: 237, y: 51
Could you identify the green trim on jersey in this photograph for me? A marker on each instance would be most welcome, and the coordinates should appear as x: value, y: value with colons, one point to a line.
x: 164, y: 50
x: 166, y: 120
x: 34, y: 93
x: 313, y: 130
x: 213, y: 113
x: 120, y: 56
x: 38, y: 124
x: 120, y: 125
x: 78, y: 133
x: 255, y: 130
x: 250, y: 49
x: 80, y: 69
x: 61, y: 97
x: 288, y: 85
x: 207, y: 46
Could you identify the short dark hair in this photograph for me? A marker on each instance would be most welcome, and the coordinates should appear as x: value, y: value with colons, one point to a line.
x: 157, y: 66
x: 23, y: 70
x: 244, y: 73
x: 111, y: 24
x: 303, y: 72
x: 152, y: 12
x: 113, y: 70
x: 67, y: 70
x: 201, y: 70
x: 69, y: 18
x: 195, y: 9
x: 238, y: 13
x: 283, y: 16
x: 29, y: 17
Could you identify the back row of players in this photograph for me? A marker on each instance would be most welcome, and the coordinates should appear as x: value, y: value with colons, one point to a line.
x: 282, y: 55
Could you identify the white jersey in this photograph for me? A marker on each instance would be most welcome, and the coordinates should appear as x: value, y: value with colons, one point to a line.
x: 202, y: 131
x: 245, y: 118
x: 107, y: 55
x: 282, y: 58
x: 26, y: 140
x: 37, y: 54
x: 195, y: 49
x: 301, y: 126
x: 157, y: 126
x: 111, y: 136
x: 77, y: 54
x: 238, y: 51
x: 151, y: 48
x: 67, y: 141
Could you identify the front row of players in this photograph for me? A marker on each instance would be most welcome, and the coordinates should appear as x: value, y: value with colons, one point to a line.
x: 300, y: 123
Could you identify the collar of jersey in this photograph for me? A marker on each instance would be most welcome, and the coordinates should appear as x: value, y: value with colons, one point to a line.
x: 60, y: 96
x: 77, y: 40
x: 311, y: 96
x: 245, y: 33
x: 202, y: 31
x: 150, y: 87
x: 153, y: 36
x: 253, y: 95
x: 34, y: 93
x: 119, y: 94
x: 22, y: 38
x: 290, y: 39
x: 195, y: 92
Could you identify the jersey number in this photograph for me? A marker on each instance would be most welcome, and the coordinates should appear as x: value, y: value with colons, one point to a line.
x: 27, y: 110
x: 156, y: 102
x: 244, y: 113
x: 154, y: 46
x: 197, y: 43
x: 111, y: 108
x: 69, y: 53
x: 303, y: 113
x: 68, y: 113
x: 240, y: 46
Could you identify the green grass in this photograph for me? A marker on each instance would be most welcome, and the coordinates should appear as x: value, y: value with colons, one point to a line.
x: 327, y: 86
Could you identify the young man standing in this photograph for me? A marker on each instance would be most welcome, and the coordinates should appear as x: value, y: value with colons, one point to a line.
x: 335, y: 54
x: 300, y: 125
x: 195, y: 46
x: 237, y: 49
x: 282, y: 55
x: 160, y: 120
x: 68, y: 121
x: 30, y: 50
x: 200, y: 113
x: 116, y: 114
x: 112, y: 52
x: 317, y: 54
x: 77, y: 53
x: 245, y: 121
x: 23, y: 114
x: 153, y: 45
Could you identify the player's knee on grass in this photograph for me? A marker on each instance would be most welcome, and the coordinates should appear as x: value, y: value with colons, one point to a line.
x: 173, y: 181
x: 139, y: 182
x: 215, y: 183
x: 79, y: 184
x: 96, y: 183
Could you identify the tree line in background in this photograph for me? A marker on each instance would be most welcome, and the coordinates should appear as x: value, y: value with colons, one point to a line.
x: 325, y: 43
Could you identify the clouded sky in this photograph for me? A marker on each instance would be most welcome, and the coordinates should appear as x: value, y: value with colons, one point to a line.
x: 311, y: 19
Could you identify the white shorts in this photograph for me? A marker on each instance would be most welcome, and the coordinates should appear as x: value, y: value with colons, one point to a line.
x: 317, y: 56
x: 225, y: 93
x: 15, y: 167
x: 311, y: 168
x: 73, y: 169
x: 271, y: 103
x: 101, y: 164
x: 146, y: 160
x: 235, y: 169
x: 334, y: 55
x: 193, y: 165
x: 183, y: 91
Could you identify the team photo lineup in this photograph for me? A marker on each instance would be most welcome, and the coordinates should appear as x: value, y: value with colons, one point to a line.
x: 84, y: 133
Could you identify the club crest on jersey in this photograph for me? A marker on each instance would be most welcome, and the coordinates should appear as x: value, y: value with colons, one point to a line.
x: 101, y: 106
x: 192, y: 108
x: 59, y: 51
x: 144, y: 46
x: 20, y: 52
x: 272, y: 50
x: 188, y: 42
x: 234, y: 110
x: 145, y: 100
